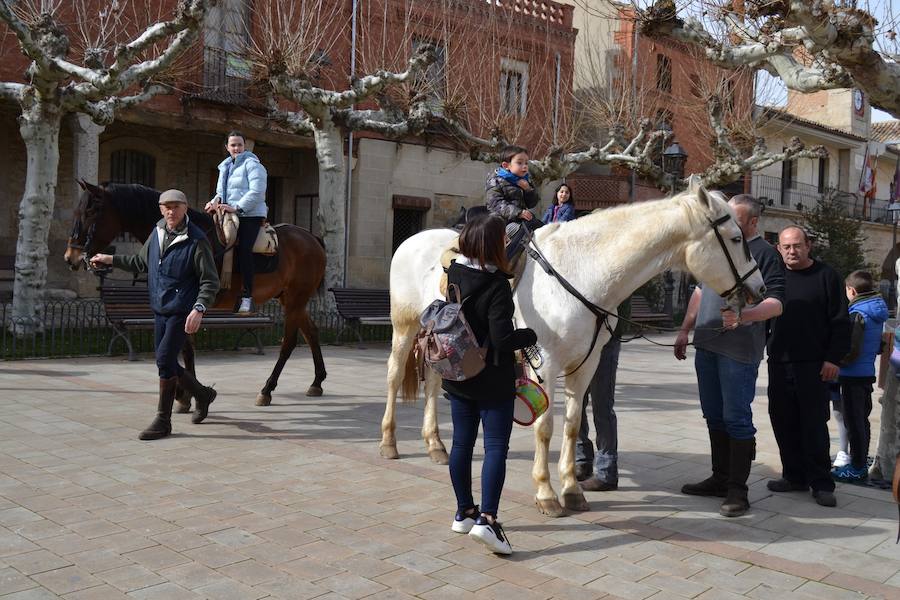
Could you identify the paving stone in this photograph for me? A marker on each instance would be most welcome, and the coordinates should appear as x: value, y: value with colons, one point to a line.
x: 65, y: 580
x: 38, y: 561
x: 228, y: 589
x: 130, y: 577
x: 13, y: 581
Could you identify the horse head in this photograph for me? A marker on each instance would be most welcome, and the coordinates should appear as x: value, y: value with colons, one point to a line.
x: 93, y: 227
x: 718, y: 255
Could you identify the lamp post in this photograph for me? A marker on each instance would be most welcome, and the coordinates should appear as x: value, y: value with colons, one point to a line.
x: 674, y: 158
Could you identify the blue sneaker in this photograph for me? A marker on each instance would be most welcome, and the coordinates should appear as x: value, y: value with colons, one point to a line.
x: 465, y: 520
x: 850, y: 474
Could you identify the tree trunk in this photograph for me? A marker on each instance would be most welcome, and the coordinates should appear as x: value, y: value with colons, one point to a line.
x: 332, y: 199
x: 39, y: 126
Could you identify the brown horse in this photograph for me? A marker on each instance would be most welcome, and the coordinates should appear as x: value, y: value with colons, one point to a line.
x: 105, y: 211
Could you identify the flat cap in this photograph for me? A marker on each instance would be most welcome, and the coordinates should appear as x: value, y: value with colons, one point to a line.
x: 172, y: 196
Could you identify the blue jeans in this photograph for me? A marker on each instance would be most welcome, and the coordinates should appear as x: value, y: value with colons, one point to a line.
x: 497, y: 417
x: 602, y: 392
x: 727, y: 388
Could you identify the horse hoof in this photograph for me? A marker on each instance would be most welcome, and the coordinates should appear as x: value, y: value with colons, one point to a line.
x: 550, y: 507
x: 314, y: 390
x: 389, y: 452
x: 576, y: 502
x: 439, y: 456
x: 182, y: 407
x: 263, y: 399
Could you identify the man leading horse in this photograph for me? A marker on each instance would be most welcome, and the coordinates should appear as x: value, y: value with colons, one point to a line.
x: 182, y: 279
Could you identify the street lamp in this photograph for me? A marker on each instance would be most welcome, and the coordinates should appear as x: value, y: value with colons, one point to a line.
x: 674, y: 158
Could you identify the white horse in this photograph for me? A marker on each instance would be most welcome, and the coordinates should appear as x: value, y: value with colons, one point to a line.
x: 605, y: 256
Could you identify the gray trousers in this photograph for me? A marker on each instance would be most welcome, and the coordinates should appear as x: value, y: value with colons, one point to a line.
x: 602, y: 392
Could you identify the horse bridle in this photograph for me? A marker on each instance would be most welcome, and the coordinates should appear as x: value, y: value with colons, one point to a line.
x: 738, y: 279
x: 88, y: 239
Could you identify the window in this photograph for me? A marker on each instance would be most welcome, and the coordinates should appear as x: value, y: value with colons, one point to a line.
x: 226, y: 73
x: 663, y: 73
x: 434, y: 79
x: 771, y: 237
x: 132, y: 166
x: 664, y: 120
x: 407, y: 222
x: 823, y: 174
x: 306, y: 209
x: 788, y: 179
x: 513, y: 86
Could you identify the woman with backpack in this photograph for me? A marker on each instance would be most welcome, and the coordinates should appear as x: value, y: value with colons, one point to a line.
x: 481, y: 274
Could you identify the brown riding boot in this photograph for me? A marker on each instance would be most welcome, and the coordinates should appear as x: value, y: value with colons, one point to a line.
x: 203, y: 396
x: 719, y: 455
x: 742, y: 454
x: 162, y: 425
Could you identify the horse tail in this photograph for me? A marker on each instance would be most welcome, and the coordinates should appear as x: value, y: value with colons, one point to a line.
x: 410, y: 385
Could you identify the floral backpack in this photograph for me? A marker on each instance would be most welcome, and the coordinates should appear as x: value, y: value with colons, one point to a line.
x: 446, y: 342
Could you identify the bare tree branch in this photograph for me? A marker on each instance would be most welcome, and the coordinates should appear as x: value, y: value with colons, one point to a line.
x: 103, y: 112
x: 811, y: 46
x: 11, y: 91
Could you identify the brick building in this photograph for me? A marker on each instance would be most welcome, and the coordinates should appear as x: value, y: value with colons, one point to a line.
x: 509, y: 63
x: 659, y: 79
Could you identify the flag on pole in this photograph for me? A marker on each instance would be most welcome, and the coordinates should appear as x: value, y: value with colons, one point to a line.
x: 867, y: 177
x: 895, y: 188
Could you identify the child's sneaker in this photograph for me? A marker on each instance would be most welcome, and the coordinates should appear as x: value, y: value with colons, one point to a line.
x: 462, y: 522
x: 850, y: 474
x: 491, y: 535
x: 841, y: 460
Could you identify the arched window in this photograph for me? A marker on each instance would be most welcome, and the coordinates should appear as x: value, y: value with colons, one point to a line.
x: 132, y: 166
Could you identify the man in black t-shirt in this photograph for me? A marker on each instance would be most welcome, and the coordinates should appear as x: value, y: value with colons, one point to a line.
x: 808, y: 341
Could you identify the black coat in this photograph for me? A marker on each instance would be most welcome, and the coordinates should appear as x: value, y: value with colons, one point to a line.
x: 489, y: 311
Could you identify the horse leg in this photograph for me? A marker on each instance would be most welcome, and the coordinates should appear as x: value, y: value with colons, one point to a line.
x: 436, y: 450
x: 288, y: 343
x: 576, y: 384
x: 182, y: 396
x: 398, y: 373
x: 311, y: 335
x: 545, y: 498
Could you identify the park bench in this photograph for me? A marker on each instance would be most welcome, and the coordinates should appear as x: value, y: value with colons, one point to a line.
x: 642, y: 312
x: 7, y: 276
x: 128, y: 308
x: 358, y: 306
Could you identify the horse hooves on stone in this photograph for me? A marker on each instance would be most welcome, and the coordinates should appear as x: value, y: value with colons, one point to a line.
x: 389, y: 452
x: 182, y: 407
x: 314, y: 390
x: 263, y: 399
x: 439, y: 456
x: 550, y: 507
x: 576, y: 502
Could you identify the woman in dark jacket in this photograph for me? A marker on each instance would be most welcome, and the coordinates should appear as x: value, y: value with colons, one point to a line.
x: 487, y: 398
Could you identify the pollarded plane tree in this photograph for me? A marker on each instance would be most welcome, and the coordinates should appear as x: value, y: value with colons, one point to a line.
x: 94, y: 58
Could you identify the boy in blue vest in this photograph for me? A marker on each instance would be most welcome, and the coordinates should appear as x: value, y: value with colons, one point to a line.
x: 868, y: 312
x: 183, y: 282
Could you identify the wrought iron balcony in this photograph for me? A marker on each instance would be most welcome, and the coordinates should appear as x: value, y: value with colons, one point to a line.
x: 804, y: 197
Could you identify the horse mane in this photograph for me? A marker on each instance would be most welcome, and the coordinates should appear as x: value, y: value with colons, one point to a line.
x: 139, y: 204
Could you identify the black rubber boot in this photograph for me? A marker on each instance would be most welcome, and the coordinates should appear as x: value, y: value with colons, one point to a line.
x: 203, y: 396
x: 742, y: 454
x: 714, y: 485
x: 162, y: 425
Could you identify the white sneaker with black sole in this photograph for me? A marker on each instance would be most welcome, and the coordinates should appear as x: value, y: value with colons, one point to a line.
x: 491, y: 535
x: 462, y: 523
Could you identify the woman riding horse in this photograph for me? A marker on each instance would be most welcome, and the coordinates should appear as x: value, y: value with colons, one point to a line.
x: 241, y: 189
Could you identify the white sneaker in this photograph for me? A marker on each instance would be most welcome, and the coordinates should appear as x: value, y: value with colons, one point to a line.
x: 463, y: 523
x: 841, y: 460
x: 491, y: 535
x: 246, y: 305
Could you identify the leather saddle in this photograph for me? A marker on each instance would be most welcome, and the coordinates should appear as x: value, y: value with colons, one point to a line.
x: 226, y: 225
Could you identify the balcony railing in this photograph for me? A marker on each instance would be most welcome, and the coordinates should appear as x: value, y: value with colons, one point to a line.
x: 226, y: 77
x: 803, y: 197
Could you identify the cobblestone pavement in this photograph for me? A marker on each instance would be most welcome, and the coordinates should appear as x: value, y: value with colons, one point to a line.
x: 293, y: 501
